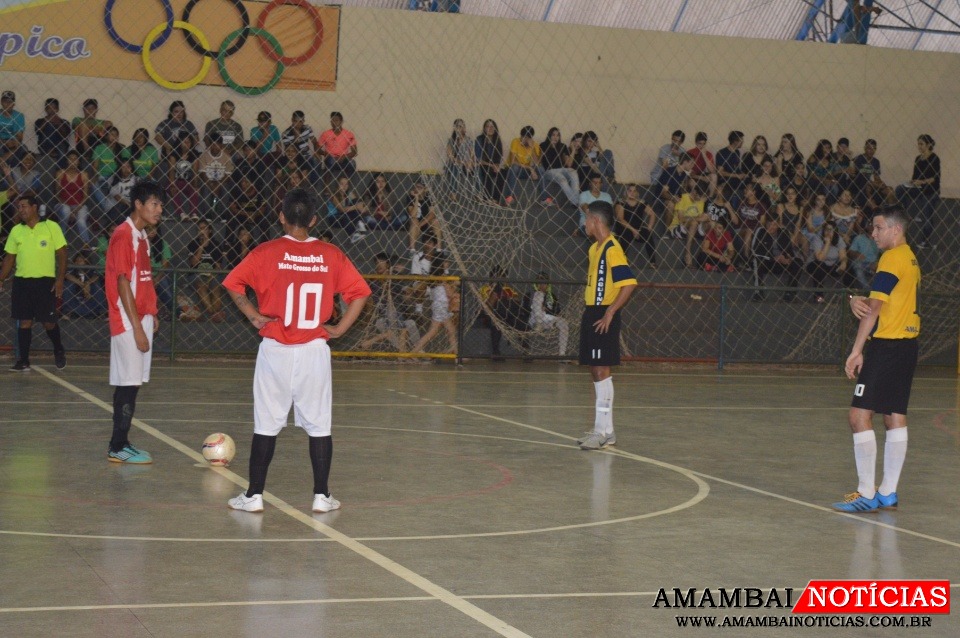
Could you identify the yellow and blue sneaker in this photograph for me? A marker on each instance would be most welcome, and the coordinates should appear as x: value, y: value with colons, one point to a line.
x: 855, y: 503
x: 887, y: 501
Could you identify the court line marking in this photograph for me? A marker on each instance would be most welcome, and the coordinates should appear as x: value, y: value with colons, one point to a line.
x: 468, y: 405
x: 436, y: 591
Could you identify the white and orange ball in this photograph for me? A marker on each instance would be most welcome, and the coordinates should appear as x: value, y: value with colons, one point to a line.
x: 219, y: 449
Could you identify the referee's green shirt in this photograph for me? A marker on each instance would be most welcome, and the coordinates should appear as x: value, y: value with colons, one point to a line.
x: 36, y: 248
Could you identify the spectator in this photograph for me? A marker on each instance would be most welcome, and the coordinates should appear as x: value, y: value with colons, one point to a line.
x: 591, y: 158
x: 845, y: 214
x: 214, y: 167
x: 160, y: 257
x: 769, y: 182
x: 229, y: 130
x: 489, y: 152
x: 687, y: 216
x: 674, y: 182
x: 636, y: 217
x: 863, y: 254
x: 266, y: 137
x: 556, y: 162
x: 717, y: 252
x: 422, y: 261
x: 118, y: 195
x: 502, y: 303
x: 752, y: 215
x: 791, y: 218
x: 248, y: 208
x: 296, y: 178
x: 788, y: 157
x: 12, y: 126
x: 391, y: 321
x: 379, y: 205
x: 88, y: 129
x: 752, y: 162
x: 856, y: 22
x: 815, y: 216
x: 300, y: 137
x: 829, y: 258
x: 593, y: 193
x: 105, y: 160
x: 422, y: 214
x: 253, y: 166
x: 337, y: 148
x: 822, y: 170
x: 441, y: 315
x: 669, y: 155
x: 523, y: 162
x: 142, y: 153
x: 844, y: 164
x: 719, y: 207
x: 241, y: 243
x: 867, y: 174
x: 22, y: 179
x: 174, y: 128
x: 461, y: 155
x: 53, y: 135
x: 773, y: 252
x: 729, y: 165
x: 291, y: 161
x: 350, y: 210
x: 704, y: 168
x: 73, y: 189
x: 801, y: 184
x: 206, y: 255
x: 545, y: 312
x: 921, y: 195
x: 182, y: 179
x: 82, y: 290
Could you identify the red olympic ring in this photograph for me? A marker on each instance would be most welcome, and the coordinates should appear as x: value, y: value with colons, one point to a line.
x: 317, y: 38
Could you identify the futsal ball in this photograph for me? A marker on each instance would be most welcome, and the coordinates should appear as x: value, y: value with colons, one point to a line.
x: 218, y: 449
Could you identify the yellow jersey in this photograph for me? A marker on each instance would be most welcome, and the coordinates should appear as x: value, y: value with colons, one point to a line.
x: 526, y: 156
x: 607, y: 273
x: 897, y: 285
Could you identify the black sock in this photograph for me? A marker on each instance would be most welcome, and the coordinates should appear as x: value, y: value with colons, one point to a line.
x: 124, y: 402
x: 25, y: 337
x: 321, y: 454
x: 54, y: 335
x: 261, y: 453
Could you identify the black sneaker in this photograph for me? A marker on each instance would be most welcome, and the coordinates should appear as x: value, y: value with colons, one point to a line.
x: 60, y: 358
x: 20, y: 366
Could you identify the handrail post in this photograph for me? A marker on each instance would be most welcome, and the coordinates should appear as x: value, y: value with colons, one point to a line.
x: 720, y: 328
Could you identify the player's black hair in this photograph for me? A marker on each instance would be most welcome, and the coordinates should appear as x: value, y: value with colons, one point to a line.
x: 603, y: 211
x: 896, y: 216
x: 299, y: 208
x: 142, y: 191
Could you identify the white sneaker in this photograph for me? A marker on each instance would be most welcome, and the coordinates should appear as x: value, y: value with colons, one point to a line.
x: 597, y: 441
x: 247, y: 504
x: 323, y: 503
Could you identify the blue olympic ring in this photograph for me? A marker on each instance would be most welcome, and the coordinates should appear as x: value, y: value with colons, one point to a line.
x: 133, y: 48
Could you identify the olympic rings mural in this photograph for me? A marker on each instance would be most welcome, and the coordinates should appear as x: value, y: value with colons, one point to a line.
x: 232, y: 43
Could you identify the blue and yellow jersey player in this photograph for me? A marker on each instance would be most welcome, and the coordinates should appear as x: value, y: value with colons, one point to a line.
x: 610, y: 282
x: 884, y: 365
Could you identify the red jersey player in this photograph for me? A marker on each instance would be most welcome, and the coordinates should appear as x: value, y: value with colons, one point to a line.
x: 132, y: 305
x: 295, y: 279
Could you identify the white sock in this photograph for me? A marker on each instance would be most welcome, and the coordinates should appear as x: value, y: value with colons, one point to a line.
x: 865, y: 453
x: 603, y: 423
x: 894, y: 454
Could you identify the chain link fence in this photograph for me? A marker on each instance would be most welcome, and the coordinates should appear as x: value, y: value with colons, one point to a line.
x: 430, y: 134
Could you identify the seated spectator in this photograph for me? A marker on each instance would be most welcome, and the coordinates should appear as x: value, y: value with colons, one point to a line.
x: 250, y: 164
x: 594, y: 193
x: 844, y: 161
x: 488, y: 150
x: 266, y: 137
x: 379, y: 205
x: 213, y: 168
x: 523, y: 162
x: 118, y: 194
x: 674, y: 182
x: 752, y: 215
x: 867, y: 176
x: 241, y: 243
x: 591, y: 158
x: 421, y: 214
x: 863, y: 254
x: 545, y: 312
x: 83, y: 289
x: 300, y: 137
x: 790, y: 215
x: 921, y: 195
x: 88, y: 129
x: 248, y: 208
x: 752, y: 162
x: 182, y: 179
x: 21, y: 179
x: 635, y: 220
x: 105, y: 160
x: 229, y: 130
x: 773, y: 252
x: 337, y: 148
x: 391, y: 322
x: 291, y: 161
x: 815, y: 215
x: 822, y: 170
x: 73, y: 189
x: 461, y: 156
x: 206, y: 255
x: 845, y: 215
x: 729, y: 167
x: 687, y: 216
x: 422, y: 260
x: 704, y: 170
x: 788, y: 158
x: 142, y: 153
x: 161, y: 255
x: 769, y: 183
x: 717, y: 253
x: 829, y: 257
x: 12, y: 127
x: 297, y: 178
x: 555, y: 163
x: 53, y: 135
x: 719, y: 207
x: 669, y: 155
x: 805, y: 191
x: 502, y: 303
x: 174, y: 128
x: 350, y: 210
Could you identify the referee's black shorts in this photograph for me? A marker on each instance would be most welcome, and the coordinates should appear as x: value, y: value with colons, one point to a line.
x: 599, y: 349
x: 886, y: 376
x: 33, y: 299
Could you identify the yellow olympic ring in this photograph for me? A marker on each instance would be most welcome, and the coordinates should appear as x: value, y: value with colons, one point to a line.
x: 167, y: 84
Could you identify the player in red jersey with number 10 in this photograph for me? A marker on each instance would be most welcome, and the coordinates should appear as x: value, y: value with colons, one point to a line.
x: 295, y: 279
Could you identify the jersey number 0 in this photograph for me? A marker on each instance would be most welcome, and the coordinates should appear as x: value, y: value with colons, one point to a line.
x: 303, y: 302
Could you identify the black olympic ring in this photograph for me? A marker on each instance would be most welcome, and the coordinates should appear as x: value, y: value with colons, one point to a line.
x: 199, y: 48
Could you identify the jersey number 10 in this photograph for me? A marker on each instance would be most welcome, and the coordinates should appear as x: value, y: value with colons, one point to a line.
x: 303, y: 302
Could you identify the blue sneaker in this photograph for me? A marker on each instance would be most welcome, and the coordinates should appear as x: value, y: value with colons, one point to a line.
x: 130, y: 454
x: 887, y: 501
x: 854, y: 503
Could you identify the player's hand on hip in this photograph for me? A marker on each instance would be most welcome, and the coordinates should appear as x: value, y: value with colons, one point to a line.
x: 259, y: 321
x: 853, y: 365
x: 859, y: 306
x: 602, y: 325
x: 333, y: 331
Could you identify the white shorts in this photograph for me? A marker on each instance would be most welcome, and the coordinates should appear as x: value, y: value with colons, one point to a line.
x: 129, y: 366
x: 292, y: 375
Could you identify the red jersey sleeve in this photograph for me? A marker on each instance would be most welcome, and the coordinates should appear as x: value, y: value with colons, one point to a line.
x: 350, y: 284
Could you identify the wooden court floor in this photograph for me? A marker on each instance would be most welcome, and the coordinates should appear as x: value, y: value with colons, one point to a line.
x: 467, y: 509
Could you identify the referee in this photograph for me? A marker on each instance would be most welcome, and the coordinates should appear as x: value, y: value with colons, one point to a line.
x: 890, y: 318
x: 610, y: 282
x: 39, y: 251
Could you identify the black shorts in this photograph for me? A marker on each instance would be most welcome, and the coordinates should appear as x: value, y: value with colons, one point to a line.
x: 33, y: 299
x: 598, y: 349
x: 886, y: 376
